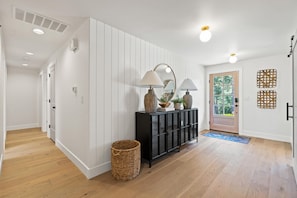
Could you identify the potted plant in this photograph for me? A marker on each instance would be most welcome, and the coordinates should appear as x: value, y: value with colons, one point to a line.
x: 177, y: 102
x: 164, y: 103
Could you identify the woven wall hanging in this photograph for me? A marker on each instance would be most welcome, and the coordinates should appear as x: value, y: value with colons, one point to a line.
x: 266, y: 99
x: 266, y: 78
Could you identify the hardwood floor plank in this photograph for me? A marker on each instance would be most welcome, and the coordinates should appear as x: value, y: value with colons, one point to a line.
x: 213, y: 168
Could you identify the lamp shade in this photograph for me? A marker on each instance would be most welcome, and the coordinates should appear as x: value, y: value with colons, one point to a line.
x: 151, y: 79
x: 188, y: 85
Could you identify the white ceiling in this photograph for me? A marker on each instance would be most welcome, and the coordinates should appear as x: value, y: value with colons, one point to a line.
x: 250, y: 28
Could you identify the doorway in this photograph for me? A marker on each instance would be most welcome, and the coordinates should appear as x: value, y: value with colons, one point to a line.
x: 52, y: 104
x: 224, y: 101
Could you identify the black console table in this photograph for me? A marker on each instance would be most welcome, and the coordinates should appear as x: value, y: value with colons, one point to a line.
x: 162, y: 132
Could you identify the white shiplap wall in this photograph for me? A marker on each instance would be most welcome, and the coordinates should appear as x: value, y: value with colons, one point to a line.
x: 118, y: 61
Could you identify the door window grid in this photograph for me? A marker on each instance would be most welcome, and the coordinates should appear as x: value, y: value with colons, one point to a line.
x: 223, y: 93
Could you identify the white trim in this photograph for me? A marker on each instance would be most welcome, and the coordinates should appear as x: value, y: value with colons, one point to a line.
x: 259, y: 134
x: 88, y: 172
x: 23, y: 126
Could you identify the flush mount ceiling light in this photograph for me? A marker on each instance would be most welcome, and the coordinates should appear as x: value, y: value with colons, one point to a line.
x: 38, y: 31
x: 205, y: 34
x: 25, y: 64
x: 233, y: 58
x: 30, y: 53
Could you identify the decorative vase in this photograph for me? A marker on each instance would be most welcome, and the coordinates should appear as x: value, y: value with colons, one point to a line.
x: 150, y: 101
x: 187, y: 101
x: 177, y: 106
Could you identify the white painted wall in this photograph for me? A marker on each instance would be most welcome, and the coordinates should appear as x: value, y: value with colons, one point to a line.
x: 106, y: 69
x: 118, y: 61
x: 263, y: 123
x: 23, y: 98
x: 3, y: 76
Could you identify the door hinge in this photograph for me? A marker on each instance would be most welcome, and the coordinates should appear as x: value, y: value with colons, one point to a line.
x: 49, y: 126
x: 49, y: 100
x: 49, y: 75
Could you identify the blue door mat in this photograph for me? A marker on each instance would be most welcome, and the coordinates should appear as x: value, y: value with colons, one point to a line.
x: 226, y: 136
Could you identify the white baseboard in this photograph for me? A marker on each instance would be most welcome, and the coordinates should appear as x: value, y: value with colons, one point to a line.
x: 23, y: 126
x: 88, y: 172
x: 266, y: 136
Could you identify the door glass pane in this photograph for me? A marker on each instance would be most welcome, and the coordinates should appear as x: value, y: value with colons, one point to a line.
x: 218, y: 109
x: 228, y: 89
x: 218, y: 80
x: 223, y: 95
x: 218, y: 100
x: 228, y: 80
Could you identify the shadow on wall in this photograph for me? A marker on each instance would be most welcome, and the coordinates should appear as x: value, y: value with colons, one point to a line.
x: 129, y: 102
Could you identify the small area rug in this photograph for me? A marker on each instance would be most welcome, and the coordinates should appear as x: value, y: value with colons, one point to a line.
x: 226, y: 136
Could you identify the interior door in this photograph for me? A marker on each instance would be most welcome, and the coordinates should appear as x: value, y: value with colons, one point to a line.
x: 224, y: 101
x: 52, y: 103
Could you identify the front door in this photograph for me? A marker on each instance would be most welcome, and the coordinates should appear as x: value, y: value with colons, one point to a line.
x: 224, y: 101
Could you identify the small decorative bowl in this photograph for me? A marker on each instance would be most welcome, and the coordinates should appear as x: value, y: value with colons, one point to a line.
x: 164, y: 104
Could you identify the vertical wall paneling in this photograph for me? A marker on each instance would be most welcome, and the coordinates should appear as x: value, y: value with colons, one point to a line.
x: 115, y: 88
x: 143, y: 70
x: 138, y: 72
x: 153, y: 56
x: 100, y: 92
x: 107, y: 92
x: 93, y: 99
x: 121, y: 110
x: 147, y: 57
x: 121, y: 61
x: 127, y: 101
x: 133, y: 92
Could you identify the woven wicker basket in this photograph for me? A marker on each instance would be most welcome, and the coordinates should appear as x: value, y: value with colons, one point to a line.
x: 125, y: 159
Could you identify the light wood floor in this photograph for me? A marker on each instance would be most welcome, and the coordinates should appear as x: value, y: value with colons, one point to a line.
x: 34, y: 167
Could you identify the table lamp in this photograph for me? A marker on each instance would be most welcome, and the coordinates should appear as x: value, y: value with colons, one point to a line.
x: 188, y: 85
x: 151, y: 80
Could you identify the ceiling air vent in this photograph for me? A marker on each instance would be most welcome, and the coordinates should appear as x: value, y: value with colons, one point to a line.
x: 39, y: 20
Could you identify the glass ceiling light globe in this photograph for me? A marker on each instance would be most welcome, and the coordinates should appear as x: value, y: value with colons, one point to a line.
x: 233, y: 58
x: 205, y: 34
x: 168, y: 70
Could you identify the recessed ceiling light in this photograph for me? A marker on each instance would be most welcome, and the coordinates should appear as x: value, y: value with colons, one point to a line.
x: 30, y: 53
x: 25, y: 64
x: 38, y: 31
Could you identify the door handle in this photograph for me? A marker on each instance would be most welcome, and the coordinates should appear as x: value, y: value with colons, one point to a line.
x: 288, y: 111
